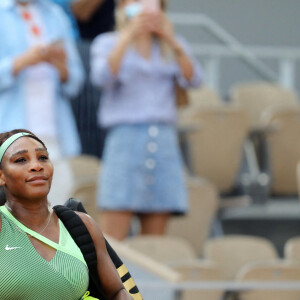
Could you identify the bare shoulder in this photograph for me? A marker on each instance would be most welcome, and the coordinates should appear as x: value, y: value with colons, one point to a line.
x: 92, y: 226
x: 87, y: 219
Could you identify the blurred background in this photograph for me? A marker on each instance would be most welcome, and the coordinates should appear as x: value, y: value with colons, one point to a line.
x: 239, y: 137
x: 266, y: 29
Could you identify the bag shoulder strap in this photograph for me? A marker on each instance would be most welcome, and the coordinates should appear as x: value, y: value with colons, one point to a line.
x: 82, y: 238
x: 84, y: 241
x: 78, y: 232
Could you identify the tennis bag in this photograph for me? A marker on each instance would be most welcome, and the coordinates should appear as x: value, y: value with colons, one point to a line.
x: 82, y: 238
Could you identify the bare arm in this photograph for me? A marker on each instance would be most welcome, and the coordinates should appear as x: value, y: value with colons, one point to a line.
x: 116, y: 56
x: 109, y: 278
x: 56, y: 56
x: 84, y: 9
x: 183, y: 60
x: 139, y: 25
x: 52, y: 54
x: 31, y: 57
x: 164, y: 30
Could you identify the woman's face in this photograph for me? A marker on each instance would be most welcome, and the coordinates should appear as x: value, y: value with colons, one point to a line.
x: 26, y: 169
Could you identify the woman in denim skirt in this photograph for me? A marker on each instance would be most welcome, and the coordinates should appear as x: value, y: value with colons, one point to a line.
x: 137, y: 68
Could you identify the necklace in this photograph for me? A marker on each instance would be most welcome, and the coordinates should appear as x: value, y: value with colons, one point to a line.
x: 48, y: 221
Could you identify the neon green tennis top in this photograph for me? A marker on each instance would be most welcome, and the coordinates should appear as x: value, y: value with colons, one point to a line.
x: 25, y: 275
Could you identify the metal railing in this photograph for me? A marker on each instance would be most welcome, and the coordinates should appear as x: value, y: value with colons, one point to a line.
x: 253, y: 56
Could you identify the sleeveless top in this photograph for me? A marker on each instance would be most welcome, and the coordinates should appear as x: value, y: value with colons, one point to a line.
x: 25, y: 275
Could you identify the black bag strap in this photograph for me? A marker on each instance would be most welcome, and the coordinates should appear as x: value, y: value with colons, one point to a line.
x: 83, y: 239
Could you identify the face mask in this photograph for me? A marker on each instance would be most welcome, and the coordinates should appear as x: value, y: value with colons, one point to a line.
x: 133, y: 9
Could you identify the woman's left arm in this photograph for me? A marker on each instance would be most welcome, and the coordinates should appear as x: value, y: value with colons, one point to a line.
x: 109, y: 278
x: 189, y: 68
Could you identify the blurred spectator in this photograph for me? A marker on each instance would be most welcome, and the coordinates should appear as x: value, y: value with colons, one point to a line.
x: 94, y: 17
x: 40, y: 71
x: 137, y: 68
x: 89, y: 18
x: 66, y: 6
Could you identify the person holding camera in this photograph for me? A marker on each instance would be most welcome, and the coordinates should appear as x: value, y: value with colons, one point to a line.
x: 137, y: 68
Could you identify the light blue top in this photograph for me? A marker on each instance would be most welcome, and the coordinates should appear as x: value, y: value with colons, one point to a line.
x: 66, y: 6
x: 143, y: 90
x: 13, y: 43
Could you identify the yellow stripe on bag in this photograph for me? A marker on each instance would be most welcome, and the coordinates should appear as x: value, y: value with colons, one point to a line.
x: 122, y: 271
x: 137, y: 296
x: 129, y: 284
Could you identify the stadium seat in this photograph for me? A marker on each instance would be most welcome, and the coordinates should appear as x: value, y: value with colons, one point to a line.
x: 197, y: 272
x: 231, y: 252
x: 85, y: 167
x: 292, y: 249
x: 85, y: 170
x: 164, y: 249
x: 283, y: 144
x: 195, y: 226
x: 273, y: 112
x: 204, y: 97
x: 178, y: 254
x: 275, y: 271
x: 215, y: 144
x: 255, y: 97
x: 144, y: 261
x: 298, y: 178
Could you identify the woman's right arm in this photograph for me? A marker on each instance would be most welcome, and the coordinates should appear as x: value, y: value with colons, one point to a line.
x: 11, y: 66
x: 141, y: 24
x: 107, y: 54
x: 116, y: 56
x: 29, y: 58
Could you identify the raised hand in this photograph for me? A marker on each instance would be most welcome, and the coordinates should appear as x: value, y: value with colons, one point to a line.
x: 140, y: 25
x: 162, y: 27
x: 56, y: 56
x: 31, y: 57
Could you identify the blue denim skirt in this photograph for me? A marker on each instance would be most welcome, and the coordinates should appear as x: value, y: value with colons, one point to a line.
x: 142, y: 170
